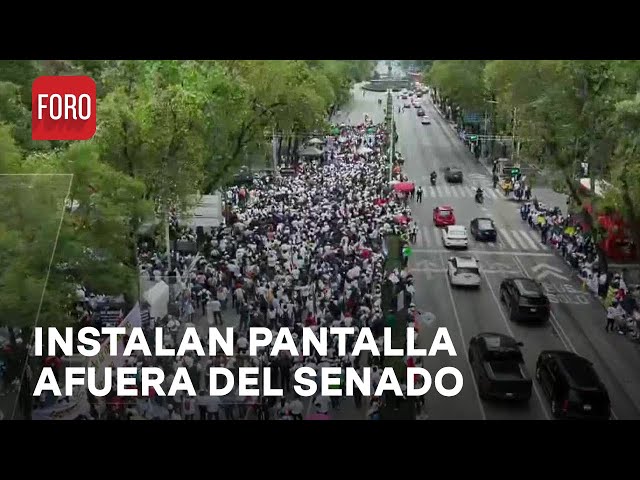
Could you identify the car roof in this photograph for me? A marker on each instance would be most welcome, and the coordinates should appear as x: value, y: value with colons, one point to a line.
x: 497, y: 341
x: 527, y: 286
x: 445, y: 207
x: 579, y: 370
x: 464, y: 262
x: 483, y: 219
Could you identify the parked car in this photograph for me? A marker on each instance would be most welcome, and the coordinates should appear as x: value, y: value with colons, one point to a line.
x: 498, y: 367
x: 525, y: 299
x: 463, y: 272
x: 443, y: 216
x: 483, y: 229
x: 455, y: 236
x: 572, y: 386
x: 453, y: 175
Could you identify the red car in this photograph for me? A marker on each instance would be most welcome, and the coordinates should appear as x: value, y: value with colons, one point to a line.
x: 443, y: 216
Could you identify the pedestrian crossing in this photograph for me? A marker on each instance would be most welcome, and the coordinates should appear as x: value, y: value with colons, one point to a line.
x: 508, y: 239
x: 459, y: 191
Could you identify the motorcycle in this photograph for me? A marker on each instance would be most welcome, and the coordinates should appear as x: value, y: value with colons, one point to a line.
x: 479, y: 197
x: 433, y: 181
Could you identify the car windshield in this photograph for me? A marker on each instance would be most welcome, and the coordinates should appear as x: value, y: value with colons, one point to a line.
x: 468, y: 270
x: 444, y: 213
x: 485, y: 225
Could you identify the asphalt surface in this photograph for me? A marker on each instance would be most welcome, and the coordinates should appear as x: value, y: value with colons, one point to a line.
x: 577, y: 321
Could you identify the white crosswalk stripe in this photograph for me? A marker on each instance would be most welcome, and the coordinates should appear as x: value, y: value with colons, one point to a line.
x: 505, y: 236
x: 429, y: 236
x: 459, y: 191
x: 516, y: 240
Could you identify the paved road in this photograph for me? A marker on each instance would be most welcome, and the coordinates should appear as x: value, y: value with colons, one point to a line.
x: 577, y: 321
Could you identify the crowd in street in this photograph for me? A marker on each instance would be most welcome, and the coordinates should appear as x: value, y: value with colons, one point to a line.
x: 578, y: 249
x: 295, y: 251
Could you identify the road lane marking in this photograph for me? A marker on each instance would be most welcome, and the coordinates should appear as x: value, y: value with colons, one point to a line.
x: 490, y: 194
x: 529, y: 235
x: 510, y: 331
x: 454, y: 192
x: 562, y: 334
x: 465, y: 349
x: 529, y: 240
x: 445, y: 189
x: 437, y: 189
x: 472, y: 251
x: 505, y: 236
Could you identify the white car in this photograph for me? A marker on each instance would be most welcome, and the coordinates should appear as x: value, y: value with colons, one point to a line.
x: 455, y: 236
x: 425, y: 120
x: 463, y: 272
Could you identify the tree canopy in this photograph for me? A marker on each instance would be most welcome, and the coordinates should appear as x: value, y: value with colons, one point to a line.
x: 166, y: 130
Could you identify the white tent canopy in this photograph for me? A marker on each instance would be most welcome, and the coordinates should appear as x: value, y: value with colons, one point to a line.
x: 315, y: 141
x: 207, y: 213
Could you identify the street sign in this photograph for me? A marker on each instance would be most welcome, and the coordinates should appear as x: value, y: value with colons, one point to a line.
x: 544, y: 270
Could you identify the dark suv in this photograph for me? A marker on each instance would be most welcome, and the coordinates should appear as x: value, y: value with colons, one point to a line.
x: 572, y: 386
x: 525, y: 299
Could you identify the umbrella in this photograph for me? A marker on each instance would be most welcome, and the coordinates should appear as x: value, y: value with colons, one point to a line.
x: 364, y: 150
x: 401, y: 219
x: 394, y: 182
x: 315, y: 141
x: 371, y: 130
x: 404, y: 187
x: 335, y: 131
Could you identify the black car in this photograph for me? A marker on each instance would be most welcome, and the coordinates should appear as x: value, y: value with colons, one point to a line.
x: 498, y: 367
x: 483, y: 229
x: 525, y: 299
x: 572, y: 385
x: 453, y: 175
x: 420, y: 112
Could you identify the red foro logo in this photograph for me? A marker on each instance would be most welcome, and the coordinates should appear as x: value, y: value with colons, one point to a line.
x: 63, y: 108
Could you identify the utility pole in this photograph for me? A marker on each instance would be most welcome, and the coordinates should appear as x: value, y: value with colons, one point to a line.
x: 167, y: 222
x: 393, y: 149
x: 274, y: 146
x: 513, y: 133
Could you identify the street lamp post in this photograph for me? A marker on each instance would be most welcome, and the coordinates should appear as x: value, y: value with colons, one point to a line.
x: 513, y: 133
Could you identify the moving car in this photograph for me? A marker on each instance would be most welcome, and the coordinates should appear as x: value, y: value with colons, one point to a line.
x: 419, y: 94
x: 404, y: 96
x: 498, y: 367
x: 572, y: 385
x: 455, y: 236
x: 483, y: 229
x: 425, y: 120
x: 420, y: 112
x: 416, y: 104
x: 443, y: 216
x: 453, y: 175
x: 525, y: 299
x: 407, y: 104
x: 463, y: 272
